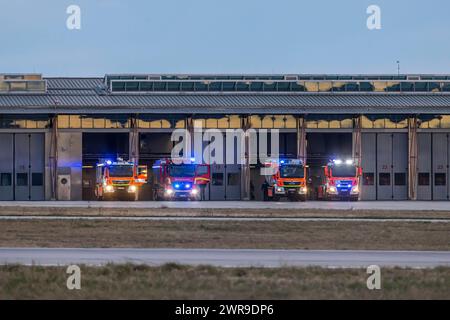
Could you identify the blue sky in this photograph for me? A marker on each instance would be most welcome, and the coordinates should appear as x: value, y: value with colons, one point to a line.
x: 232, y: 36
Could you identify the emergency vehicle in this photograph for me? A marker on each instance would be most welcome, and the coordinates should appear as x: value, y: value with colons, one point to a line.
x: 342, y: 180
x: 119, y: 180
x: 288, y: 180
x: 173, y: 181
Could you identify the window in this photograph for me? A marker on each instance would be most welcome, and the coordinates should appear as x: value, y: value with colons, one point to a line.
x: 93, y: 121
x: 87, y: 122
x: 400, y: 179
x: 182, y: 170
x: 217, y: 179
x: 218, y: 122
x: 99, y: 122
x: 344, y: 171
x: 325, y: 121
x: 75, y: 121
x: 292, y: 171
x: 368, y: 179
x: 233, y: 179
x: 63, y: 121
x: 22, y: 179
x: 382, y: 122
x: 5, y: 179
x: 440, y: 179
x: 385, y: 179
x: 25, y: 122
x: 424, y: 179
x: 37, y: 179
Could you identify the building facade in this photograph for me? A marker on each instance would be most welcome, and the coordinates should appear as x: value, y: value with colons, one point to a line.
x: 54, y: 130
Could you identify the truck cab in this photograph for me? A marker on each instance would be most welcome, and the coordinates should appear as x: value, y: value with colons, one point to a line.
x: 179, y: 181
x: 288, y: 180
x: 342, y: 180
x: 117, y: 180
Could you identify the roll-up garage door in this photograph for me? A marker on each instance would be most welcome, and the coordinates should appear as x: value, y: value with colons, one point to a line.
x: 6, y: 166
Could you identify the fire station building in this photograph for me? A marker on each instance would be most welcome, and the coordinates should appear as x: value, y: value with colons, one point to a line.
x: 53, y: 131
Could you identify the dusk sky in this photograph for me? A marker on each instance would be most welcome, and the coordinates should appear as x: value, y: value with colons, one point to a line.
x: 233, y: 36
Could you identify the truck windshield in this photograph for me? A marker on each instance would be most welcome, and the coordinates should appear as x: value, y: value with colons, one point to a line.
x: 343, y: 171
x: 182, y: 171
x: 291, y: 171
x: 121, y: 171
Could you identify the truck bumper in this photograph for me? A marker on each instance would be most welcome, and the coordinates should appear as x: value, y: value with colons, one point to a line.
x: 182, y: 195
x: 343, y: 197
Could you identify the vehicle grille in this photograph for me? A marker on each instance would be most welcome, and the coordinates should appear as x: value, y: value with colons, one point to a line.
x: 121, y: 182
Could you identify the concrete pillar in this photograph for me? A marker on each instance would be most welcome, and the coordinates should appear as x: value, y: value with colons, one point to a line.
x: 133, y: 145
x: 301, y: 139
x: 356, y: 140
x: 245, y: 170
x: 356, y: 144
x: 134, y: 139
x: 412, y: 158
x: 53, y: 157
x: 70, y: 160
x: 190, y: 127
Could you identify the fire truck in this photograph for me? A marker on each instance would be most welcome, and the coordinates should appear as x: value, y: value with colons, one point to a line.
x: 173, y: 181
x: 342, y: 180
x: 288, y: 180
x: 119, y: 180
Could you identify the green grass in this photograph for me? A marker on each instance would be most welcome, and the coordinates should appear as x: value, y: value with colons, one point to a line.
x: 172, y: 281
x: 226, y: 234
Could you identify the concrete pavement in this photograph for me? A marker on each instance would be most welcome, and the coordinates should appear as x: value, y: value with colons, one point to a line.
x: 225, y: 257
x: 323, y: 205
x: 249, y: 219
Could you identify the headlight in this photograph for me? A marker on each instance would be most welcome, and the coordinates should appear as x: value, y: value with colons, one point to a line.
x: 194, y: 191
x: 132, y: 189
x: 332, y: 189
x: 303, y: 190
x: 279, y: 189
x: 169, y: 191
x: 355, y: 189
x: 109, y: 188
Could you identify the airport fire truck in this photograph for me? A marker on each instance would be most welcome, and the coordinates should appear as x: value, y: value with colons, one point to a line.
x: 288, y: 180
x: 119, y: 180
x: 179, y: 181
x: 342, y: 180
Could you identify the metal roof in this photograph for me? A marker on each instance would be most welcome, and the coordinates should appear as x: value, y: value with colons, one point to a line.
x: 89, y: 95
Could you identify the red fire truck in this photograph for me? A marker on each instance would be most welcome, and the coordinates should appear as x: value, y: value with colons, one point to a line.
x: 119, y: 180
x: 342, y: 180
x: 179, y: 181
